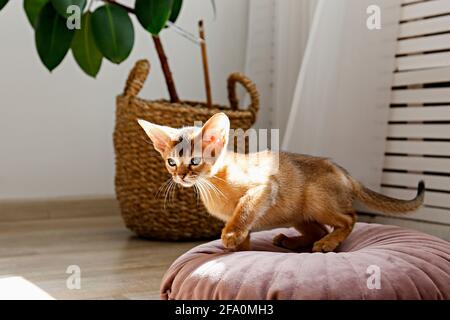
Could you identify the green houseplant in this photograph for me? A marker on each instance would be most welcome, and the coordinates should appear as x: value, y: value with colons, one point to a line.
x: 104, y: 33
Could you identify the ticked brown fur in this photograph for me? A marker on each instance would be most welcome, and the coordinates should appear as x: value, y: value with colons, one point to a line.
x: 266, y: 190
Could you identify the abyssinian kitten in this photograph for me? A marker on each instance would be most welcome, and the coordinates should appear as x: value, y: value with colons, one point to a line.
x: 265, y: 190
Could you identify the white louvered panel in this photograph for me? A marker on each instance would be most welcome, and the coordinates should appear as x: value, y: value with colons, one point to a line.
x: 432, y: 60
x: 417, y: 131
x: 438, y: 199
x: 418, y: 147
x: 441, y: 113
x: 438, y: 165
x: 440, y: 95
x: 432, y: 131
x: 435, y: 75
x: 425, y: 9
x: 430, y: 214
x: 422, y: 44
x: 426, y: 76
x: 423, y: 27
x: 410, y: 180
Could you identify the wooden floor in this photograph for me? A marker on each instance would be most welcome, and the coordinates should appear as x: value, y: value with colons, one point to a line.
x: 114, y: 263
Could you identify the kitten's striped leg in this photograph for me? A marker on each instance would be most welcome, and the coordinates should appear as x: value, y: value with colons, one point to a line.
x: 343, y: 226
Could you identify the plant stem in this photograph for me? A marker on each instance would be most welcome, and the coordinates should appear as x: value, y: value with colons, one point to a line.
x: 166, y: 69
x: 161, y: 55
x: 205, y: 64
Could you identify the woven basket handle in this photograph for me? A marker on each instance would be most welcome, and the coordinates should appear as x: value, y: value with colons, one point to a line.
x: 136, y: 78
x: 249, y: 86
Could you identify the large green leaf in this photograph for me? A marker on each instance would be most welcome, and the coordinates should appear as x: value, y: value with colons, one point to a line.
x: 84, y: 49
x: 113, y: 32
x: 32, y: 9
x: 62, y: 5
x: 52, y: 37
x: 3, y: 3
x: 153, y: 14
x: 176, y: 8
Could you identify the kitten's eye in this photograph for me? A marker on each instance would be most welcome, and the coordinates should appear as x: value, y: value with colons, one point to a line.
x: 195, y: 161
x: 171, y: 162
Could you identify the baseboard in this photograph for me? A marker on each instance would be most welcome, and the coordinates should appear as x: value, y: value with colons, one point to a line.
x: 439, y: 230
x: 14, y: 210
x: 59, y: 208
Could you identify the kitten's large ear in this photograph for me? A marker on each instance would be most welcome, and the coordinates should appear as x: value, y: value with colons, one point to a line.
x: 215, y: 132
x: 161, y: 136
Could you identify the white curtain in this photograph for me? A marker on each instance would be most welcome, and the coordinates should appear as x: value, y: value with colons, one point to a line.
x: 277, y: 35
x: 324, y: 77
x: 342, y: 95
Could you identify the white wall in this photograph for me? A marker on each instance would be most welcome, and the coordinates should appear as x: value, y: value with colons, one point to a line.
x: 56, y: 129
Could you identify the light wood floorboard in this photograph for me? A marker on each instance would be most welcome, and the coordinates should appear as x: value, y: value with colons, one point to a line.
x: 114, y: 263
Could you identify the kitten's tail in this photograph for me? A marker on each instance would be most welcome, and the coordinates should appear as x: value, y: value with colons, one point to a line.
x: 388, y: 205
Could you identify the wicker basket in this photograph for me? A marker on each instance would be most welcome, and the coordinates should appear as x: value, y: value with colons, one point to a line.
x: 140, y: 171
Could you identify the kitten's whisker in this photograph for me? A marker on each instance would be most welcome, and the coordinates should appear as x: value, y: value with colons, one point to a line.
x: 207, y: 188
x: 172, y: 196
x: 217, y: 189
x: 162, y: 190
x: 196, y: 193
x: 165, y: 195
x: 215, y: 177
x: 171, y: 192
x: 162, y: 187
x: 214, y: 188
x: 167, y: 192
x: 203, y: 192
x: 168, y: 186
x: 200, y: 192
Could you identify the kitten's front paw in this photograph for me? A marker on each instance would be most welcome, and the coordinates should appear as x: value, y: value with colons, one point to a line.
x: 232, y: 239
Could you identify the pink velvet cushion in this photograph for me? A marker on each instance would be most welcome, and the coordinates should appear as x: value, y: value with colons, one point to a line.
x: 412, y: 265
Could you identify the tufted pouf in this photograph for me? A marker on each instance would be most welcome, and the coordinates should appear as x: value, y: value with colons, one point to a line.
x: 374, y: 262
